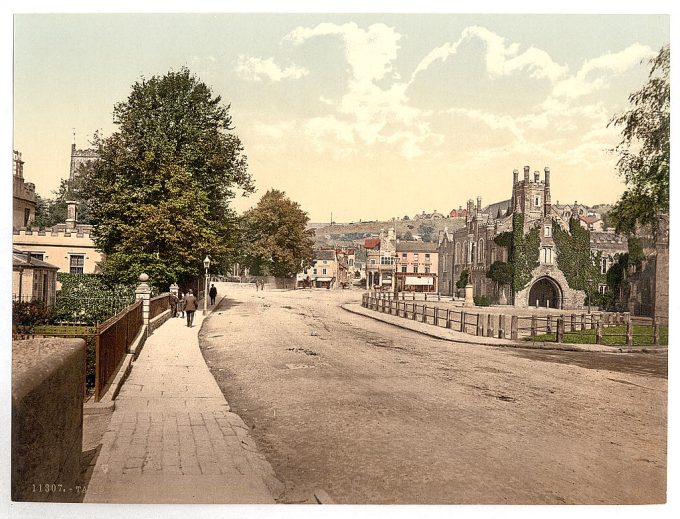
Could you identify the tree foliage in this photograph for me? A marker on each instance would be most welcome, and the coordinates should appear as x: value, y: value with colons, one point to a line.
x: 54, y: 210
x: 501, y: 273
x: 463, y: 279
x: 160, y: 191
x: 644, y: 150
x: 274, y: 236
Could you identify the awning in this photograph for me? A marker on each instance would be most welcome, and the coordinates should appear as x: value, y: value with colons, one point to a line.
x: 324, y: 279
x: 413, y: 280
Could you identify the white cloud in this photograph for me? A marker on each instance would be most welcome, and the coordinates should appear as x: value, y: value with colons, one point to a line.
x: 257, y: 69
x: 501, y: 58
x: 273, y: 130
x: 596, y: 74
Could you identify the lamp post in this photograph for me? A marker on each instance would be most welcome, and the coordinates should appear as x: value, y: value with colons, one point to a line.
x: 589, y: 293
x: 396, y: 267
x: 206, y: 264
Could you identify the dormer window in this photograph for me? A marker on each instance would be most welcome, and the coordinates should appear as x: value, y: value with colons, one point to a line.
x: 547, y: 231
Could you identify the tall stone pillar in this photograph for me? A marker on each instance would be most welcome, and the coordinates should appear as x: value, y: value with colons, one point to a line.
x: 546, y: 192
x: 143, y: 292
x: 469, y: 299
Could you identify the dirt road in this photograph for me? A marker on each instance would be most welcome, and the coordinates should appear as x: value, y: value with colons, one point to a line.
x: 371, y: 413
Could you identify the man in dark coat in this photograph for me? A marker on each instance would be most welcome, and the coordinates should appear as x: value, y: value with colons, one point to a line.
x: 190, y: 307
x: 173, y: 305
x: 213, y: 294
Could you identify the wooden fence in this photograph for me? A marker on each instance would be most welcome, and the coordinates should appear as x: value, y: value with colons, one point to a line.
x: 515, y: 327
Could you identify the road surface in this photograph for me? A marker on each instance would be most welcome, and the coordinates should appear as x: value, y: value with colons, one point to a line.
x: 371, y: 413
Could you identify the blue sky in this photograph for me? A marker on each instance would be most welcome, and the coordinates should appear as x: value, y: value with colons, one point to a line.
x: 366, y: 115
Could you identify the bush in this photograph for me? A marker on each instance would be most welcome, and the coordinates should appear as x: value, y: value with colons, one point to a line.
x: 26, y: 315
x: 90, y: 298
x: 481, y: 301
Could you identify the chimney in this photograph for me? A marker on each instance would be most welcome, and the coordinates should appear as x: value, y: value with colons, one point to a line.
x: 537, y: 175
x: 470, y: 205
x: 479, y: 204
x: 546, y: 192
x: 526, y: 175
x: 28, y: 257
x: 72, y: 214
x: 515, y: 176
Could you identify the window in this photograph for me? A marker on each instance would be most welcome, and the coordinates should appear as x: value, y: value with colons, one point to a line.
x: 27, y: 216
x: 603, y: 269
x: 537, y: 201
x: 372, y: 262
x: 38, y: 255
x: 351, y: 262
x: 315, y: 271
x: 427, y: 257
x: 415, y: 269
x: 403, y: 254
x: 546, y: 255
x: 403, y: 268
x: 456, y: 254
x: 427, y: 270
x: 77, y: 263
x: 323, y: 271
x: 602, y: 289
x: 547, y: 231
x: 415, y: 257
x: 325, y: 262
x: 480, y: 253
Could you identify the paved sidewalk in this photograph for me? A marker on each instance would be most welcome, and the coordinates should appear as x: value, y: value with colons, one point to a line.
x: 172, y: 438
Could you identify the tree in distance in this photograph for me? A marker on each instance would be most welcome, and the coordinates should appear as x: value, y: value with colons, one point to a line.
x: 644, y: 150
x: 160, y: 192
x: 275, y: 241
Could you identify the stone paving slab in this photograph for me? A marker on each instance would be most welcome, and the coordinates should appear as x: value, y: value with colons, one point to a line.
x: 172, y: 437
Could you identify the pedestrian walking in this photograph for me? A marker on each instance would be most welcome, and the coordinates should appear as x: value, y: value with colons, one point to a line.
x: 213, y: 294
x: 173, y: 305
x: 180, y: 305
x: 190, y: 307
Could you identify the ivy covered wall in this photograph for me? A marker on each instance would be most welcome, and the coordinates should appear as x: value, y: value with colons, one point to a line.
x: 574, y: 258
x: 523, y: 253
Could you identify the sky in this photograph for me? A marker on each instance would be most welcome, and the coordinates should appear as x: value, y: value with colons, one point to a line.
x: 365, y: 116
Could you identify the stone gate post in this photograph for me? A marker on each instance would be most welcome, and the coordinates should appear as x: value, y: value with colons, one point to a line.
x: 143, y: 292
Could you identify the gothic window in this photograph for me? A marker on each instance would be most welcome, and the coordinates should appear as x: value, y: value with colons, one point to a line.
x: 603, y: 268
x: 547, y: 231
x: 480, y: 251
x: 456, y: 257
x: 466, y: 252
x: 546, y: 255
x: 537, y: 201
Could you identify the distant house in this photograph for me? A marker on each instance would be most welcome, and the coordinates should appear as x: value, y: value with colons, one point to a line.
x: 24, y: 197
x: 33, y: 279
x: 324, y: 271
x: 417, y: 266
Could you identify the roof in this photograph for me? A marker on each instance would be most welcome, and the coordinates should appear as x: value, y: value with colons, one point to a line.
x: 493, y: 209
x: 371, y: 243
x: 324, y: 255
x: 416, y: 246
x: 590, y: 219
x: 21, y: 259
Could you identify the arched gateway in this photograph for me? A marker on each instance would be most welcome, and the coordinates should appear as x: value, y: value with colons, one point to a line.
x: 545, y: 292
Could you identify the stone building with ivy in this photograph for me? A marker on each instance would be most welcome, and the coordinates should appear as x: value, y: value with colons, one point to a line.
x: 545, y: 257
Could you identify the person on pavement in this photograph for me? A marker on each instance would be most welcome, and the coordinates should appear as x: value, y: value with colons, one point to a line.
x: 180, y: 305
x: 190, y: 307
x: 213, y: 294
x: 173, y: 305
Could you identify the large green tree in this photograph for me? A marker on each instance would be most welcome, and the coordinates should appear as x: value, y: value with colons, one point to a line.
x: 54, y: 210
x: 275, y: 239
x: 644, y: 150
x: 160, y: 192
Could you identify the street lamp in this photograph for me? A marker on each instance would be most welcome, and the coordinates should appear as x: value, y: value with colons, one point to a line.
x: 396, y: 267
x: 206, y: 264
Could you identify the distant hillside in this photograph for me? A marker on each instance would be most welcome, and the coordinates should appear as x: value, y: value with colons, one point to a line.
x: 344, y: 234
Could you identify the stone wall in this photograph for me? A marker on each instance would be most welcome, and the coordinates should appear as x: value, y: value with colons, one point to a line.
x: 571, y: 299
x: 48, y: 381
